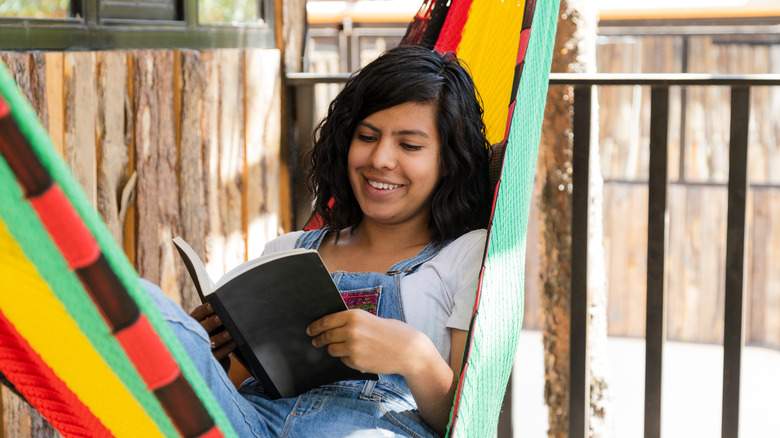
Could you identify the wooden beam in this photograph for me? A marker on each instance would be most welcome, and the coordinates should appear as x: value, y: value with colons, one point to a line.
x: 263, y: 136
x: 156, y: 166
x: 80, y: 106
x: 192, y: 189
x: 113, y: 150
x: 55, y: 99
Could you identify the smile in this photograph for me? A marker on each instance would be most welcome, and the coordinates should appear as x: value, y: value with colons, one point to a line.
x: 383, y: 186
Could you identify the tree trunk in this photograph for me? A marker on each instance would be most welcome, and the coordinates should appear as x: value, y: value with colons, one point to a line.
x: 574, y: 52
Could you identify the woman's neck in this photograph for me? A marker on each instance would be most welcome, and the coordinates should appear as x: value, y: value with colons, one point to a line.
x: 370, y: 247
x: 380, y: 237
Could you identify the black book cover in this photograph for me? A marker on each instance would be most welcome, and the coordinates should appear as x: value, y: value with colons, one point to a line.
x: 266, y: 309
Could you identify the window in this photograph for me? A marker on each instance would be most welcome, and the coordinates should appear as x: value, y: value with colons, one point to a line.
x: 135, y: 24
x: 140, y: 9
x: 35, y: 8
x: 230, y: 11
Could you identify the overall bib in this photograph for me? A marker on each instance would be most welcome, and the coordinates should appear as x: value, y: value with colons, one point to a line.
x: 347, y: 408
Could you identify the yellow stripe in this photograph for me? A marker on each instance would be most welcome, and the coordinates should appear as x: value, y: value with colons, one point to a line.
x: 40, y: 318
x: 489, y: 47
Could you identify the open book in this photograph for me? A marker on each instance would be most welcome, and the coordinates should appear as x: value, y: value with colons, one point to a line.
x: 266, y: 304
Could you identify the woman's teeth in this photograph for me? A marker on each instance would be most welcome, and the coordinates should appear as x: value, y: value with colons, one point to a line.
x: 383, y: 186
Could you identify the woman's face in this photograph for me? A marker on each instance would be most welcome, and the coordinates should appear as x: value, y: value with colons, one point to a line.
x: 394, y: 164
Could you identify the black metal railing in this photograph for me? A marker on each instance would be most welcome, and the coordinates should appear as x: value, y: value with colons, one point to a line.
x: 734, y: 336
x: 301, y: 120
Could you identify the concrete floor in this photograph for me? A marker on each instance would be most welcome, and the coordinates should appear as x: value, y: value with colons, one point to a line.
x: 692, y: 379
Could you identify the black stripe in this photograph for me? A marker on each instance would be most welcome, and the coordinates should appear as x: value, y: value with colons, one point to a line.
x: 184, y: 408
x: 431, y: 34
x: 109, y: 294
x: 16, y: 150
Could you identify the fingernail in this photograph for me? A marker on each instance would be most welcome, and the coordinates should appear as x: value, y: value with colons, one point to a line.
x: 208, y: 306
x: 225, y: 335
x: 217, y: 320
x: 213, y: 345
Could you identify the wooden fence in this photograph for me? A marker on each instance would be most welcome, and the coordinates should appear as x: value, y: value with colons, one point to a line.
x: 165, y: 143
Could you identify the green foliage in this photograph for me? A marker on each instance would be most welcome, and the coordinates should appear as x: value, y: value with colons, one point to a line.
x: 228, y: 11
x: 34, y: 8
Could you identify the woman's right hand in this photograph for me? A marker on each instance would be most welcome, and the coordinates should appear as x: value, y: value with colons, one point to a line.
x: 222, y: 343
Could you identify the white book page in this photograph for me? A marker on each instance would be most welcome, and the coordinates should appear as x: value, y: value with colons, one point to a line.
x: 248, y: 265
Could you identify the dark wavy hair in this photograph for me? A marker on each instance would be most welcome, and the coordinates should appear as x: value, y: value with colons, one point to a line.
x: 462, y: 198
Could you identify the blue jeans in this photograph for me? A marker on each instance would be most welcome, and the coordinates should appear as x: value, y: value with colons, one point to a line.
x: 342, y: 409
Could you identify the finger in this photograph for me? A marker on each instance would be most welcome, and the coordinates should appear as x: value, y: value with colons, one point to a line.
x: 202, y: 312
x: 328, y: 322
x: 338, y: 334
x: 222, y: 352
x: 212, y: 324
x: 338, y: 350
x: 220, y: 339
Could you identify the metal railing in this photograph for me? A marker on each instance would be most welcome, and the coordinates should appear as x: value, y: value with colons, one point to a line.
x: 300, y: 87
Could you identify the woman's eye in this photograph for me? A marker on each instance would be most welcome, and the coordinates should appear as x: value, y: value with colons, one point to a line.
x: 410, y: 147
x: 365, y: 138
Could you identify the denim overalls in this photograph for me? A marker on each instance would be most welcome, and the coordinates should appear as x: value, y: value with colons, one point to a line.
x: 347, y: 408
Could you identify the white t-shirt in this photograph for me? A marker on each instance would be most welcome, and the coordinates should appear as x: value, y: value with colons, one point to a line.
x: 440, y: 294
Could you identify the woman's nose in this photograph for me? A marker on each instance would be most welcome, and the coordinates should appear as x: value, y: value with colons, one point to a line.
x: 383, y: 155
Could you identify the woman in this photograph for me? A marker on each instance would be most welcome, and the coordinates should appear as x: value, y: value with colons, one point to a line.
x: 399, y: 173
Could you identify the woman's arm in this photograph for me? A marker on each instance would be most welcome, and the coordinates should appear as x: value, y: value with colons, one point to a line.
x: 434, y: 397
x: 387, y: 346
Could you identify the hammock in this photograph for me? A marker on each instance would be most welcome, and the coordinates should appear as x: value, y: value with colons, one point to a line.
x: 81, y: 340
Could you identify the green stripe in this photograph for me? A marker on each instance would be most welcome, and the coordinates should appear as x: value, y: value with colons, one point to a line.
x: 26, y: 228
x: 496, y: 327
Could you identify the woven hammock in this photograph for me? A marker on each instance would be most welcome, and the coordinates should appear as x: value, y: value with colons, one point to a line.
x: 83, y: 343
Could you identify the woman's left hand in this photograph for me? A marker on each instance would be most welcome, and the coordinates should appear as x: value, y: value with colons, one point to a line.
x: 371, y: 344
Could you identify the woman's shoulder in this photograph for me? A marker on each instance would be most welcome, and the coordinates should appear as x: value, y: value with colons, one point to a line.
x: 474, y: 239
x: 282, y: 243
x: 466, y: 247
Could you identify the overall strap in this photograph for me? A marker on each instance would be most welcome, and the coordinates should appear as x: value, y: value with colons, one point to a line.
x: 408, y: 266
x: 311, y: 239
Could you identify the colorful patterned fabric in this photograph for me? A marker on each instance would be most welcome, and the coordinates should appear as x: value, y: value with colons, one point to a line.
x: 363, y: 299
x: 508, y: 48
x: 81, y: 340
x: 84, y: 344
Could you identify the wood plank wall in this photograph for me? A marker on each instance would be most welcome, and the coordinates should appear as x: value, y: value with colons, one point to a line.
x: 164, y: 143
x: 697, y: 213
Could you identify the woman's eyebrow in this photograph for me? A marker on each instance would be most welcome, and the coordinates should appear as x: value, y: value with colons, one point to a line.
x: 369, y: 126
x: 411, y: 132
x: 396, y: 133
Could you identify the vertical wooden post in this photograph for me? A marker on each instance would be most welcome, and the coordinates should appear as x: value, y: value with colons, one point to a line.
x: 263, y: 136
x: 655, y: 333
x: 579, y: 398
x: 54, y: 99
x: 80, y: 104
x: 192, y: 190
x: 112, y: 147
x: 734, y: 312
x: 156, y: 165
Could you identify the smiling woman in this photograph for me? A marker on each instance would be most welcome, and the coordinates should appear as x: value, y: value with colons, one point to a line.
x: 394, y: 164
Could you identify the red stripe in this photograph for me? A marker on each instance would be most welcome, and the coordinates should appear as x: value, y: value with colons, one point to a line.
x: 452, y: 30
x: 43, y: 388
x: 4, y: 108
x: 509, y: 121
x: 66, y: 228
x: 148, y: 353
x: 214, y: 432
x: 525, y: 35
